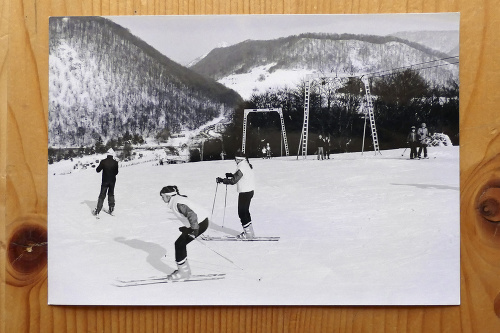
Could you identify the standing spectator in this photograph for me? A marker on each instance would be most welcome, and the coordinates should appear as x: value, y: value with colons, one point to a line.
x: 412, y: 140
x: 423, y: 136
x: 320, y: 143
x: 109, y: 168
x: 268, y: 151
x: 327, y: 148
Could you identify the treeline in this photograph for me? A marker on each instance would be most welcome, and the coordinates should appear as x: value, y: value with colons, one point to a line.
x: 336, y: 111
x: 122, y: 145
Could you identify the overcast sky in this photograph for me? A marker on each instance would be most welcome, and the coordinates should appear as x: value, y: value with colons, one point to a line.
x: 184, y: 38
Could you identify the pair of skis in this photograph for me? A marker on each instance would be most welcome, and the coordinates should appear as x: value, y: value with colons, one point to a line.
x: 164, y: 279
x: 192, y: 278
x: 236, y: 239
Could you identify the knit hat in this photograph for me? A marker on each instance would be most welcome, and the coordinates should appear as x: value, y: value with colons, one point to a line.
x: 110, y: 152
x: 413, y: 127
x: 169, y: 190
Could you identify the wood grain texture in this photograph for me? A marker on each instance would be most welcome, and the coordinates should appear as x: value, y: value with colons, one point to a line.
x: 23, y: 181
x: 4, y: 43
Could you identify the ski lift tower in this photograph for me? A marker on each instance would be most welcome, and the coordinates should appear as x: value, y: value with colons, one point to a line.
x: 371, y: 116
x: 307, y: 92
x: 283, y: 131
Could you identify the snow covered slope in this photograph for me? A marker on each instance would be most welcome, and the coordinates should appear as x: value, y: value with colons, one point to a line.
x: 260, y: 79
x: 356, y: 229
x: 253, y: 66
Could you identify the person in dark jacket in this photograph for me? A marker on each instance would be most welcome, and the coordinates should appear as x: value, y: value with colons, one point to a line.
x: 320, y: 142
x: 109, y: 168
x: 412, y: 140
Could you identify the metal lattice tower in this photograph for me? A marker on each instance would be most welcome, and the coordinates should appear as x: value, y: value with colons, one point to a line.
x: 307, y: 93
x: 305, y: 126
x: 371, y: 116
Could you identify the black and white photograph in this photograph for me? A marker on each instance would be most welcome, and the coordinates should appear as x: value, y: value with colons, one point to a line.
x: 254, y: 160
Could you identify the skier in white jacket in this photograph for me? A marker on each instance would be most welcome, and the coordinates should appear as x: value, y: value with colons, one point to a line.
x: 189, y: 213
x: 244, y: 179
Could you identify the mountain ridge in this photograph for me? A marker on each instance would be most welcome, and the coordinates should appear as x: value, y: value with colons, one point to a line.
x: 348, y: 54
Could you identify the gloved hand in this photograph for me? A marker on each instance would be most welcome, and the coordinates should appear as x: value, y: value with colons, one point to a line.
x: 219, y: 180
x: 194, y: 233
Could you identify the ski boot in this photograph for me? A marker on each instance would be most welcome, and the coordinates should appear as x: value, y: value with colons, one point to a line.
x: 182, y: 272
x: 247, y: 232
x: 94, y: 212
x: 111, y: 209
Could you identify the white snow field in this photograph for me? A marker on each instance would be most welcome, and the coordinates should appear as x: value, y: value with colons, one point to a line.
x: 357, y: 229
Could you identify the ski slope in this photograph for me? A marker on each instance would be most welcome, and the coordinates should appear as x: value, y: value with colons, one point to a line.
x: 355, y: 230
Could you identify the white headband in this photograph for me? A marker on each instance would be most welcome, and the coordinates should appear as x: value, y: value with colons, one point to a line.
x: 170, y: 193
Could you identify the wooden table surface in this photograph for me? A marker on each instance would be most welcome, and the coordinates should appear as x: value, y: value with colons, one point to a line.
x: 23, y: 184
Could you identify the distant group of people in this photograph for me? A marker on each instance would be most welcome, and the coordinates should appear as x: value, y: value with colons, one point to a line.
x: 266, y: 151
x: 323, y: 147
x: 418, y: 139
x: 184, y: 209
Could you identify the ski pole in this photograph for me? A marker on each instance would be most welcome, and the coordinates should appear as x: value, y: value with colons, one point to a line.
x: 225, y: 201
x: 208, y: 247
x: 215, y: 196
x: 404, y: 151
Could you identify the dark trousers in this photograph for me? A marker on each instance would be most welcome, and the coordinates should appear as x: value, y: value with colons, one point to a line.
x: 184, y: 240
x: 423, y: 147
x: 413, y: 150
x: 244, y: 200
x: 108, y: 188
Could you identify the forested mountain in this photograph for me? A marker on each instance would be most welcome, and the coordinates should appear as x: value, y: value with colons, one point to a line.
x: 327, y: 53
x: 103, y: 82
x: 442, y: 41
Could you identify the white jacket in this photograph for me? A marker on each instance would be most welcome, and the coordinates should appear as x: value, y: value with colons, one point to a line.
x: 243, y: 178
x: 247, y: 181
x: 187, y: 211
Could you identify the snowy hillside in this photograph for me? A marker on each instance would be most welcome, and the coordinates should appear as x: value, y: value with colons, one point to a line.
x: 355, y: 229
x: 103, y: 82
x: 443, y: 41
x: 260, y: 79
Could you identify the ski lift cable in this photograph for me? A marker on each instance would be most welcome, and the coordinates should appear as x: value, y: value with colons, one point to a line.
x: 413, y: 65
x: 417, y: 64
x: 417, y: 69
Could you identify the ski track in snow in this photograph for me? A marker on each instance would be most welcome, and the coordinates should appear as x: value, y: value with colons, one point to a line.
x: 355, y: 229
